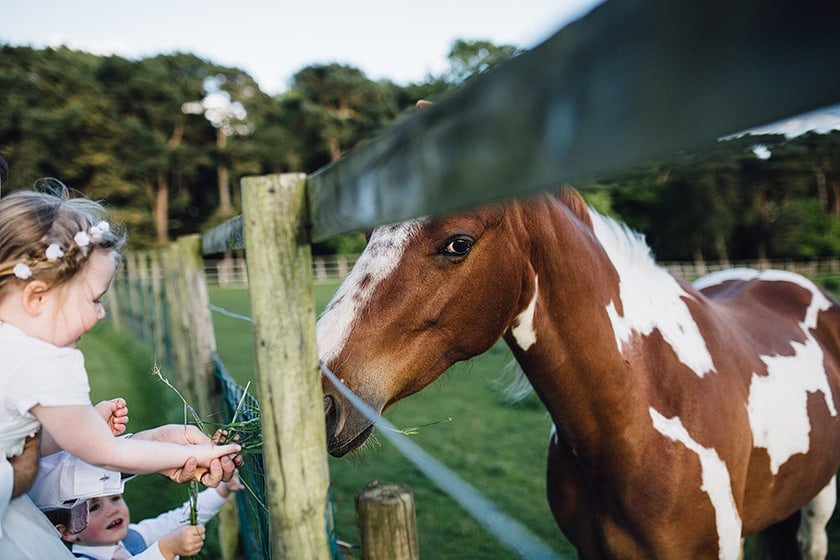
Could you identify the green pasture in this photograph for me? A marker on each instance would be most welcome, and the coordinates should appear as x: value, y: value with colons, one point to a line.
x: 464, y: 422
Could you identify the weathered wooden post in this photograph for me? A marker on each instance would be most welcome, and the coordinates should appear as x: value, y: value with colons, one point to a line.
x: 291, y: 400
x: 159, y: 329
x: 387, y: 522
x: 191, y: 327
x: 193, y: 344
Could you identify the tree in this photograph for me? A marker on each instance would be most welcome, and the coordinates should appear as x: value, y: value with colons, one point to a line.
x: 469, y: 58
x: 337, y: 106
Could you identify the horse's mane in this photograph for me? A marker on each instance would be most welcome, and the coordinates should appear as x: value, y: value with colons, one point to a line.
x: 623, y: 245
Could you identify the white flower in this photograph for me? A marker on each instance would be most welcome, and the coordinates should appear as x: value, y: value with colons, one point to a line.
x: 54, y: 252
x: 22, y: 271
x: 82, y: 239
x: 100, y: 229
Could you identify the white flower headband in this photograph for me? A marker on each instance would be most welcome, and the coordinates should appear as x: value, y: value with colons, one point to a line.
x: 55, y: 252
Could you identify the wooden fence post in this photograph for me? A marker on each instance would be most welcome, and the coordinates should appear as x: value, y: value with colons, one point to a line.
x: 193, y: 344
x: 387, y: 522
x: 191, y: 327
x: 283, y: 313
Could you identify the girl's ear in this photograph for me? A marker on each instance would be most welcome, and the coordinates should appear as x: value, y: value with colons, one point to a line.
x: 33, y: 297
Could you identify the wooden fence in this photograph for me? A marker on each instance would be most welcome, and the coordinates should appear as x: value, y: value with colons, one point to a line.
x: 632, y: 82
x: 233, y: 272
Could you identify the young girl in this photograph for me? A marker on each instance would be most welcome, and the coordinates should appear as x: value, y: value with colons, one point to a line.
x: 57, y: 259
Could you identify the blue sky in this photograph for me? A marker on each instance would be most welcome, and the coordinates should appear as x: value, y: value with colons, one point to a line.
x: 273, y: 39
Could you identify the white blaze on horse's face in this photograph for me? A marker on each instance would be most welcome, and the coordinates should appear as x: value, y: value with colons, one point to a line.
x: 650, y: 297
x: 379, y: 259
x: 778, y: 400
x: 715, y: 482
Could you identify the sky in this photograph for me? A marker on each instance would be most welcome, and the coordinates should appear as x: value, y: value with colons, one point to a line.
x: 272, y: 39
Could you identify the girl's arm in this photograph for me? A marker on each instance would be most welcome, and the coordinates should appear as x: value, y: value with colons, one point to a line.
x: 114, y: 412
x: 79, y: 429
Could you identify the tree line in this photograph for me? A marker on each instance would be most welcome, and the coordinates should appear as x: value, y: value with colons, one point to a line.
x: 750, y: 197
x: 165, y: 140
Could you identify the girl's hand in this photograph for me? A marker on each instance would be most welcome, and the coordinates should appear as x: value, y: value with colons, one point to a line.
x: 205, y: 453
x: 115, y: 413
x: 186, y: 540
x: 220, y: 470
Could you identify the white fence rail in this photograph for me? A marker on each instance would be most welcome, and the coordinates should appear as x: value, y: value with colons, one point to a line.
x: 232, y: 272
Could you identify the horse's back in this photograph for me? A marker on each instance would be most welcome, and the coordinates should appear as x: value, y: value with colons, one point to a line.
x: 793, y: 328
x: 776, y: 301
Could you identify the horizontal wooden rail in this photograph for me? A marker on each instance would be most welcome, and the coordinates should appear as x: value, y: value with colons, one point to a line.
x: 632, y: 81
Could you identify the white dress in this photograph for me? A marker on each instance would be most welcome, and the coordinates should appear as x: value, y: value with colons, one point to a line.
x: 31, y: 372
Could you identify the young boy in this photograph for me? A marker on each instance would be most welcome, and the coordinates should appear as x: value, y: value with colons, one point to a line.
x: 108, y: 533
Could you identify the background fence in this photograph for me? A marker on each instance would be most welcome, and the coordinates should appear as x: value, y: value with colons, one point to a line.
x: 632, y: 82
x: 232, y: 271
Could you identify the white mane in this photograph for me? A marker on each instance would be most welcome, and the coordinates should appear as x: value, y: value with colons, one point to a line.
x: 624, y: 246
x: 650, y: 298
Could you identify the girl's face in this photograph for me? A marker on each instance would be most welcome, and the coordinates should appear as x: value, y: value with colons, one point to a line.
x: 108, y: 520
x: 74, y: 308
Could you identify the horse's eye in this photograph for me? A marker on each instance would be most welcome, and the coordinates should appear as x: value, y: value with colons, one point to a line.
x: 458, y: 246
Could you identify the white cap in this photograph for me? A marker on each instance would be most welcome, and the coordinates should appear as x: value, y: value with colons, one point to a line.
x: 65, y: 480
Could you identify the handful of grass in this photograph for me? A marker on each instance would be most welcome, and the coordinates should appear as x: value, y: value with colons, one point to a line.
x: 247, y: 433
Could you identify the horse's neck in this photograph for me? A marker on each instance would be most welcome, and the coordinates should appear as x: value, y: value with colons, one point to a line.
x: 575, y: 363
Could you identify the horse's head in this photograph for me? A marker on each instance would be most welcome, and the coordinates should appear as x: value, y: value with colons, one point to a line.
x: 423, y: 295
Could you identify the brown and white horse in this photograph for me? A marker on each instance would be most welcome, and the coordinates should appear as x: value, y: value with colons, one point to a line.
x: 686, y: 416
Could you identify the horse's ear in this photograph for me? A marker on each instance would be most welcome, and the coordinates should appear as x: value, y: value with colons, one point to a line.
x: 423, y: 104
x: 569, y: 196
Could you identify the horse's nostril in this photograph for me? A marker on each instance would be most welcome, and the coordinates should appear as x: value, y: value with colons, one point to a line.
x: 329, y: 402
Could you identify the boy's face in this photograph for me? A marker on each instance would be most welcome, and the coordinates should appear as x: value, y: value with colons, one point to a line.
x: 108, y: 520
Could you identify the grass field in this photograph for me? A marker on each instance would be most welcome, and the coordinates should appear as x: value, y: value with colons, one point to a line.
x: 498, y: 448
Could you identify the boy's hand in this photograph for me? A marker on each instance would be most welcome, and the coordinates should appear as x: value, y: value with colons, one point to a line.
x: 186, y: 540
x: 233, y: 485
x: 115, y: 413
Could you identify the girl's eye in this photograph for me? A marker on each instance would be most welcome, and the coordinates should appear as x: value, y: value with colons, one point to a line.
x: 458, y: 246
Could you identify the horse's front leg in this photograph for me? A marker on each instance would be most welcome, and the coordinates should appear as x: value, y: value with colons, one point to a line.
x: 569, y: 500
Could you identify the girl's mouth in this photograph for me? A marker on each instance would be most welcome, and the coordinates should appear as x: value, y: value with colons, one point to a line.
x: 115, y: 524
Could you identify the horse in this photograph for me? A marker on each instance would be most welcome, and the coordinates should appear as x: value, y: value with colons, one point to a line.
x: 686, y: 416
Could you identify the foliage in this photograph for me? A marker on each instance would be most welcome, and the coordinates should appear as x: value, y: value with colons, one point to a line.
x: 749, y: 197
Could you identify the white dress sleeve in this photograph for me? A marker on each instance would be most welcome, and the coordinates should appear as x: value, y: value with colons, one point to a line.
x: 52, y: 377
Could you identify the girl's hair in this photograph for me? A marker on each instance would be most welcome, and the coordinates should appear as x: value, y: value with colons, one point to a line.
x: 48, y: 236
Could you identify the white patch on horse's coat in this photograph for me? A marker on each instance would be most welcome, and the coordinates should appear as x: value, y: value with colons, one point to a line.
x: 651, y: 298
x: 523, y: 325
x: 778, y: 401
x: 715, y: 483
x: 812, y: 536
x: 381, y: 256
